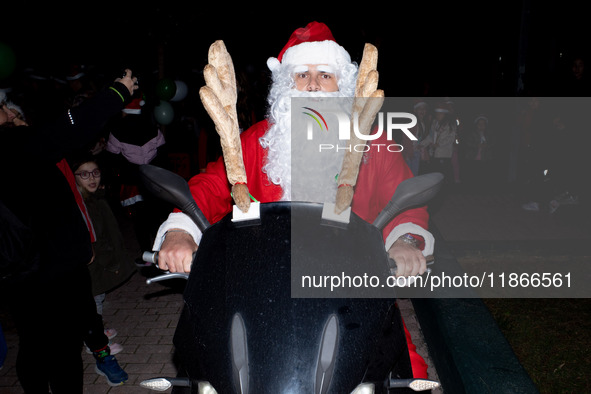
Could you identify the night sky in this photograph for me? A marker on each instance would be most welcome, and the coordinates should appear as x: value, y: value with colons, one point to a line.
x: 468, y: 50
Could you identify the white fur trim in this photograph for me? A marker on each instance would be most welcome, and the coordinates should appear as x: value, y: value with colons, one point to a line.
x: 411, y: 228
x: 273, y: 63
x: 132, y: 111
x: 316, y: 52
x: 177, y: 220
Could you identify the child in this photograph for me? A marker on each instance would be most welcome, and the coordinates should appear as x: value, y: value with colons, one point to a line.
x: 111, y: 265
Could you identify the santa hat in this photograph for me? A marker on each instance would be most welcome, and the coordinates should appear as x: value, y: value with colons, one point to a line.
x: 419, y: 103
x: 135, y: 107
x: 76, y: 72
x: 443, y: 107
x: 481, y: 117
x: 313, y: 44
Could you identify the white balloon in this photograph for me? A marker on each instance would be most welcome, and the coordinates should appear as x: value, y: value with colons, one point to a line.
x: 164, y: 113
x: 181, y: 91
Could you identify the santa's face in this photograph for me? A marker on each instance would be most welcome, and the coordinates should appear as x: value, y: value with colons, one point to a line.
x: 315, y: 78
x: 481, y: 125
x: 317, y: 83
x: 421, y: 111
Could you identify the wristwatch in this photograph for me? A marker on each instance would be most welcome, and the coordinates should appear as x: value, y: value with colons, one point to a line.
x: 409, y: 239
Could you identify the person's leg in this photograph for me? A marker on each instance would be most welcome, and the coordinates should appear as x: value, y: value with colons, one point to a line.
x: 3, y: 347
x: 94, y: 335
x: 455, y: 163
x: 30, y: 369
x: 99, y: 300
x: 417, y: 362
x: 65, y: 366
x: 66, y: 372
x: 44, y: 317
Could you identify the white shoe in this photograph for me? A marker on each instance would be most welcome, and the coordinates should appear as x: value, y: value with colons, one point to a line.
x: 110, y: 333
x: 115, y: 348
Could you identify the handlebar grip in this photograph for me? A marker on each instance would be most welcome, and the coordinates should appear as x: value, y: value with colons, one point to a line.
x: 150, y: 257
x: 393, y: 268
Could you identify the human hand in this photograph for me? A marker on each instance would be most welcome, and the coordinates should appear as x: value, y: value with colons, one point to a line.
x: 129, y: 81
x: 409, y: 259
x: 92, y: 257
x: 176, y: 252
x: 19, y: 122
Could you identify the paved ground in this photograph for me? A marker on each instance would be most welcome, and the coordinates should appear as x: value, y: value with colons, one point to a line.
x: 146, y: 315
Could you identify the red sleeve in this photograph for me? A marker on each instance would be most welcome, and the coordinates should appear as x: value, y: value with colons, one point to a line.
x: 211, y: 189
x: 381, y: 171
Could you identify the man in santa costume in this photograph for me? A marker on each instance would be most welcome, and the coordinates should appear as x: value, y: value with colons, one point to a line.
x: 311, y: 65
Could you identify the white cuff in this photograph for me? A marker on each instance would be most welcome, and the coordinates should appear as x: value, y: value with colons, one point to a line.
x: 177, y: 220
x: 411, y: 228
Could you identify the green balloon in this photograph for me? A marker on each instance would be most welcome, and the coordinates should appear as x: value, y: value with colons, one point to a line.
x: 7, y: 61
x: 165, y: 89
x: 164, y: 113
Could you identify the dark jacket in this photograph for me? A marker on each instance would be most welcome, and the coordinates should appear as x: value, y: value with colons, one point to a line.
x: 112, y: 264
x: 474, y: 147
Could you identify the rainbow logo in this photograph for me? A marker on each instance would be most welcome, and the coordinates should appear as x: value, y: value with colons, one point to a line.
x: 316, y: 118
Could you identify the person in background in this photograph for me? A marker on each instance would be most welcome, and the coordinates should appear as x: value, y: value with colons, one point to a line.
x: 479, y: 145
x: 413, y: 153
x: 441, y: 141
x: 134, y: 139
x: 51, y: 297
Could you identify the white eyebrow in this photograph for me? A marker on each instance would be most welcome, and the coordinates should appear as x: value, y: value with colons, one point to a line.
x: 323, y: 68
x: 300, y: 69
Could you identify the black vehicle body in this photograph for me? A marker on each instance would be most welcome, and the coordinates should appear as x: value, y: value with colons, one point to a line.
x: 242, y: 330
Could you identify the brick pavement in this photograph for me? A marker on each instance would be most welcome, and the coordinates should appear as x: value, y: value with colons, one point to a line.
x: 145, y: 317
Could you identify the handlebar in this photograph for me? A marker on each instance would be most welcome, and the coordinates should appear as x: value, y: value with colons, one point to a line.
x: 393, y: 268
x: 168, y: 275
x: 152, y: 257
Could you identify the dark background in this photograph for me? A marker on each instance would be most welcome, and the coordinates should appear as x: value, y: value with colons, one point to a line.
x: 426, y: 48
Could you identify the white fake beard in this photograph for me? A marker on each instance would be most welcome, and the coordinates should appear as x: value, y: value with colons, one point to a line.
x: 296, y: 164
